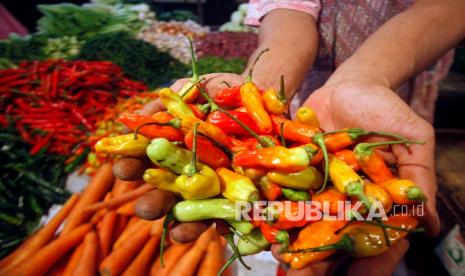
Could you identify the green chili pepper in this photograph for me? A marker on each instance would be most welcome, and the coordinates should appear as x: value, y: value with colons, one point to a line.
x: 166, y: 155
x: 295, y: 195
x: 244, y: 227
x: 201, y: 209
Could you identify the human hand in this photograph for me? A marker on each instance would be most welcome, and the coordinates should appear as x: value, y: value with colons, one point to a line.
x: 213, y: 84
x: 377, y: 108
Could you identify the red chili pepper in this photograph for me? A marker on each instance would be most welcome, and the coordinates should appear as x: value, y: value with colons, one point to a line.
x: 348, y: 156
x: 294, y: 131
x: 252, y: 143
x: 207, y: 152
x: 229, y: 126
x: 288, y: 219
x: 229, y: 97
x: 132, y: 121
x: 270, y: 190
x: 200, y: 111
x: 40, y: 144
x: 274, y: 235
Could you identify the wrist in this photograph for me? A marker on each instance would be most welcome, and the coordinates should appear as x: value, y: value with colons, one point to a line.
x: 359, y: 72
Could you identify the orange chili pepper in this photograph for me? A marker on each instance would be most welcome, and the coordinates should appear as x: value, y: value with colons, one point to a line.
x: 316, y: 234
x: 252, y: 101
x: 287, y: 218
x: 403, y: 191
x: 348, y: 156
x: 375, y: 192
x: 269, y: 189
x: 133, y: 121
x: 372, y: 163
x: 211, y: 131
x: 294, y: 131
x: 330, y: 196
x: 275, y: 102
x: 207, y: 152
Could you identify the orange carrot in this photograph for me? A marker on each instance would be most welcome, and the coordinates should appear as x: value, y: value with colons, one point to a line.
x: 100, y: 184
x: 87, y: 265
x: 213, y: 260
x: 18, y: 251
x: 127, y: 209
x: 157, y: 227
x: 140, y: 265
x: 73, y: 261
x: 105, y: 233
x: 171, y: 257
x: 43, y: 236
x: 58, y: 269
x: 119, y: 259
x: 119, y: 200
x: 120, y: 223
x: 46, y: 257
x: 122, y: 186
x: 130, y: 233
x: 187, y: 265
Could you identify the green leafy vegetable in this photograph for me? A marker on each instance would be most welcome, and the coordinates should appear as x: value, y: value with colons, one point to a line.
x: 139, y: 60
x: 211, y: 64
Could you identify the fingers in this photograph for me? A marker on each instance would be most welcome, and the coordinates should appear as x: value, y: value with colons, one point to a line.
x: 129, y: 169
x: 380, y: 265
x: 416, y: 163
x: 151, y: 108
x: 155, y: 204
x: 184, y: 232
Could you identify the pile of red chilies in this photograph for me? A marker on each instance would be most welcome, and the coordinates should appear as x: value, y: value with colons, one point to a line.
x: 56, y: 103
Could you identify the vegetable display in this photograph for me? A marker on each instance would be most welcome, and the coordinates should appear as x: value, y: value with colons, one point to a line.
x: 29, y: 186
x: 109, y: 240
x: 227, y: 45
x: 262, y: 154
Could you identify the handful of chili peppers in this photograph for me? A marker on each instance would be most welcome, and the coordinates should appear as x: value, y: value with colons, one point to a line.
x: 240, y: 146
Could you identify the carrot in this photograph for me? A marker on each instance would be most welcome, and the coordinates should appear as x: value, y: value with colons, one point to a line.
x: 87, y: 265
x: 105, y: 233
x: 46, y: 257
x: 98, y: 216
x: 73, y: 261
x: 42, y: 237
x: 127, y: 209
x: 120, y: 224
x: 171, y: 257
x: 157, y: 227
x: 187, y: 265
x: 140, y: 265
x: 119, y: 200
x: 213, y: 260
x: 18, y: 251
x: 59, y: 268
x: 100, y: 184
x: 118, y: 260
x: 130, y: 233
x: 122, y: 186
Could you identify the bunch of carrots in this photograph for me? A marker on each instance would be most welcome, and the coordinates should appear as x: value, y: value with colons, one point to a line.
x: 101, y: 234
x: 204, y: 154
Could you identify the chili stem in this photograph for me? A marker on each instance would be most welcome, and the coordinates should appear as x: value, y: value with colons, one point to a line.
x: 227, y: 264
x: 169, y: 217
x: 281, y: 135
x: 281, y: 93
x: 193, y: 166
x: 195, y: 83
x: 249, y: 76
x: 318, y: 138
x: 230, y: 239
x: 195, y: 70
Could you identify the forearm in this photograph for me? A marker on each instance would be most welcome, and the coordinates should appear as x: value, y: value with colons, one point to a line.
x: 406, y: 44
x: 292, y: 39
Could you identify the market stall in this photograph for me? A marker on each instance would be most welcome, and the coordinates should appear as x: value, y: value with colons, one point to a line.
x: 161, y: 191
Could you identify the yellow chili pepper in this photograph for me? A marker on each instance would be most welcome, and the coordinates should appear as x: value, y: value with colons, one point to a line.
x: 125, y: 145
x: 306, y: 115
x: 308, y: 178
x: 174, y: 104
x: 203, y: 184
x: 275, y: 102
x: 377, y: 193
x: 236, y: 187
x: 253, y: 103
x: 346, y: 180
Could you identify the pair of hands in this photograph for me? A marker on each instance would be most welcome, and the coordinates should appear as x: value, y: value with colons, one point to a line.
x: 374, y: 108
